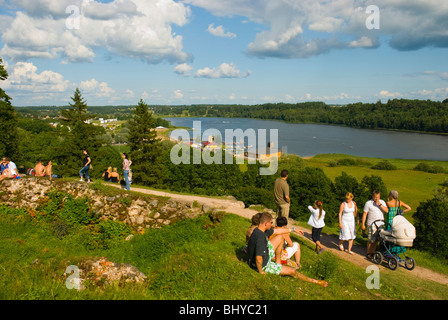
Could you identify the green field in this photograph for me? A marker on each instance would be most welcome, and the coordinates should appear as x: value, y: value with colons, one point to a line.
x: 412, y: 186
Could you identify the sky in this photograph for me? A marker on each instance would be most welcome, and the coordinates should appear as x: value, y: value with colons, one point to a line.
x: 187, y: 52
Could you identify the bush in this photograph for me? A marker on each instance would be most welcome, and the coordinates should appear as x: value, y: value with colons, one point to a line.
x: 431, y: 223
x: 428, y: 168
x: 348, y: 162
x: 384, y: 165
x: 308, y: 185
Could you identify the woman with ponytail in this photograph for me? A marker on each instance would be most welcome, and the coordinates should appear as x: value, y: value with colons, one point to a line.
x: 316, y: 221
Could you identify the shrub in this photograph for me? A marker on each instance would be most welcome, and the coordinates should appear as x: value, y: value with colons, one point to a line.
x: 348, y: 162
x: 431, y: 223
x: 384, y: 165
x: 428, y: 168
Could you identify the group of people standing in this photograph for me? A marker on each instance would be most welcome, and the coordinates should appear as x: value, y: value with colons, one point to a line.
x: 110, y: 175
x: 264, y: 243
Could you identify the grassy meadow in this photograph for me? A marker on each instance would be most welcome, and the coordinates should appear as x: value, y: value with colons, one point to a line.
x: 413, y: 186
x: 190, y: 260
x: 198, y: 260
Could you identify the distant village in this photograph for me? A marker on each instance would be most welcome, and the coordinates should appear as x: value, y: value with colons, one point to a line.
x: 239, y: 149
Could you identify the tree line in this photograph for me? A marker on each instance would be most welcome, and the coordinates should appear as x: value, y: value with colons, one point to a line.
x: 396, y: 114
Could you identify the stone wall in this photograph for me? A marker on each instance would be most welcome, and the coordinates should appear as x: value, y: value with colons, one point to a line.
x: 138, y: 211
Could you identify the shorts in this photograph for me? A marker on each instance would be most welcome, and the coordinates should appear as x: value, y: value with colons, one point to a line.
x: 373, y: 232
x: 315, y: 234
x: 272, y: 267
x: 289, y: 251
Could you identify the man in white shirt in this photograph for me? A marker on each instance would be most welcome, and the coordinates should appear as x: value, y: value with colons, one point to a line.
x: 373, y: 210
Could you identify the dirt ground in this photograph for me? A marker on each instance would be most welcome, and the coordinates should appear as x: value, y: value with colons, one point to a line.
x: 330, y: 242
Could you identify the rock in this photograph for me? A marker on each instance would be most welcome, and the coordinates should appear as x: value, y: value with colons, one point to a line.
x: 104, y: 272
x: 29, y: 192
x: 206, y: 208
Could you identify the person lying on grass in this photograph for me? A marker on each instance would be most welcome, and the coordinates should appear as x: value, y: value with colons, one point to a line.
x: 261, y: 251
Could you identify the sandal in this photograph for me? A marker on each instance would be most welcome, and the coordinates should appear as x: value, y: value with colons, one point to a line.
x: 341, y: 247
x: 350, y: 252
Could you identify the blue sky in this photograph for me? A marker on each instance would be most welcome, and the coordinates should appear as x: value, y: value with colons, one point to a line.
x: 223, y: 51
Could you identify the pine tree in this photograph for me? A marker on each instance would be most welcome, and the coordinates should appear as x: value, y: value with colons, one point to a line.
x: 77, y: 118
x: 144, y: 151
x: 8, y: 122
x: 80, y: 135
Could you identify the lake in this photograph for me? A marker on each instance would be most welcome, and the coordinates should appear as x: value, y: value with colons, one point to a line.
x: 311, y: 139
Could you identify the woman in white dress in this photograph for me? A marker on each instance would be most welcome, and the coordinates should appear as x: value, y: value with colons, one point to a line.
x: 347, y: 213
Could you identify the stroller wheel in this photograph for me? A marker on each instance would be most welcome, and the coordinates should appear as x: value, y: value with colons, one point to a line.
x: 393, y: 263
x: 409, y: 263
x: 377, y: 257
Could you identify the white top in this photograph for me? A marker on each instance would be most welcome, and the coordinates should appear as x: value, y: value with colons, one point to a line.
x: 373, y: 211
x: 349, y: 211
x: 12, y: 168
x: 314, y: 220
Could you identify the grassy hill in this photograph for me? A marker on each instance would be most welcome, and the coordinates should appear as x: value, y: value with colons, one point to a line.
x: 192, y: 259
x: 198, y: 260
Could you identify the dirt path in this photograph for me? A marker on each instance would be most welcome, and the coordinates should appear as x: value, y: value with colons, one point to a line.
x: 329, y: 241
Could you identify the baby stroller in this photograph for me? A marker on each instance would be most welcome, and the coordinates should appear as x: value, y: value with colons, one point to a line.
x: 394, y: 240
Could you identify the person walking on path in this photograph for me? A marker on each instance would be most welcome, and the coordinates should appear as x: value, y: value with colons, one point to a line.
x: 394, y: 206
x: 281, y: 193
x: 316, y: 221
x: 86, y: 166
x: 347, y: 213
x: 126, y: 167
x: 374, y: 210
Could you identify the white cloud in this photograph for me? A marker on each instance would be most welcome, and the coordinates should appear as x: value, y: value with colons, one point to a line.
x: 24, y: 76
x: 178, y: 94
x: 131, y: 28
x: 338, y: 24
x: 183, y: 69
x: 335, y: 97
x: 363, y: 42
x: 225, y: 70
x: 387, y: 94
x: 96, y: 88
x: 219, y: 31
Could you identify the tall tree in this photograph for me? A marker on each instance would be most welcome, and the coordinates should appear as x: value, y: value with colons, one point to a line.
x: 144, y: 151
x: 79, y: 135
x: 8, y: 121
x: 77, y: 118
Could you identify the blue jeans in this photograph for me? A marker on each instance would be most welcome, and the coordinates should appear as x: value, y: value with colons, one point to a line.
x: 126, y: 179
x: 86, y: 171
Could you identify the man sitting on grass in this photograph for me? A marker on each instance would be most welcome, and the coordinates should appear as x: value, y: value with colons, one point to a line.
x: 261, y: 251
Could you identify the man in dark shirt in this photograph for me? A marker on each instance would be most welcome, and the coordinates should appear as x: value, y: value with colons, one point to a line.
x: 260, y: 251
